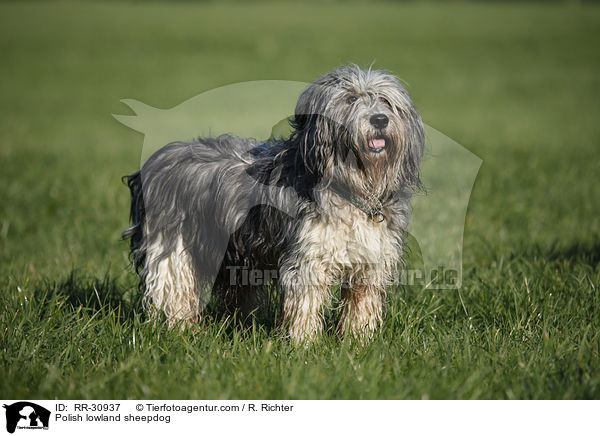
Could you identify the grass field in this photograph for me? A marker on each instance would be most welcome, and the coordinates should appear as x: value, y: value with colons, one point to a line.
x: 516, y: 84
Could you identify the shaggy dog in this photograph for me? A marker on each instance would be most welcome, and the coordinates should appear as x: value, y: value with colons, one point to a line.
x: 328, y: 206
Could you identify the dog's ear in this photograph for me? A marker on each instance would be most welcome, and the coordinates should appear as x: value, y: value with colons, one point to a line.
x: 313, y: 141
x: 414, y: 146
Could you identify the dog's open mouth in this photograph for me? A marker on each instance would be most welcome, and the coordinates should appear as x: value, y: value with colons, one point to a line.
x: 377, y: 145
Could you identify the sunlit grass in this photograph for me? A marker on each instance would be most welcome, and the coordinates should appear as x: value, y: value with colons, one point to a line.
x: 515, y: 84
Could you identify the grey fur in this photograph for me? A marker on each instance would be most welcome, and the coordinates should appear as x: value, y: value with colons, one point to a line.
x: 199, y: 209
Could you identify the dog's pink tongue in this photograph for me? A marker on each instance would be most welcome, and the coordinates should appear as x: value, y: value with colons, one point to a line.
x: 377, y: 143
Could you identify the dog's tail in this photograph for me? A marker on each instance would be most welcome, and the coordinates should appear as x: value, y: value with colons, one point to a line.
x: 137, y: 216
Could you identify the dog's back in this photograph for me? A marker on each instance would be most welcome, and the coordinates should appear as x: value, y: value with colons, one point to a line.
x: 192, y: 203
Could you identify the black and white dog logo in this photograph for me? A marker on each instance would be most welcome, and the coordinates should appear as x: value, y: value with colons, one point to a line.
x: 26, y: 415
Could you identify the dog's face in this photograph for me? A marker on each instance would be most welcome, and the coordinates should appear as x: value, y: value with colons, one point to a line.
x: 362, y: 128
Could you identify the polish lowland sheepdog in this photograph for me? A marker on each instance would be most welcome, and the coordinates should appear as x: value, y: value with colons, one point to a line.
x: 325, y: 209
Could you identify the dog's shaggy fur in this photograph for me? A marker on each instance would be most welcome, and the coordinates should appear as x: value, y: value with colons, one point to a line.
x: 327, y: 206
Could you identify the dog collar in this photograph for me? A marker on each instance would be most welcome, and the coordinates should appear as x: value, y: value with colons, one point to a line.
x: 374, y: 213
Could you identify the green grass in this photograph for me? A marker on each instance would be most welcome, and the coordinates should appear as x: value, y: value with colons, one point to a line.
x: 516, y: 84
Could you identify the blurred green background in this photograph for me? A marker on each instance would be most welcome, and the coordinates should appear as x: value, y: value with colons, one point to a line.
x: 517, y: 84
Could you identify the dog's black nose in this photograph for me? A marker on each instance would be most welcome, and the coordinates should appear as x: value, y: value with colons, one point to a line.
x: 380, y: 121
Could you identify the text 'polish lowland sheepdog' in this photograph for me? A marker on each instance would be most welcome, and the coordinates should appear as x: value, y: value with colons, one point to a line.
x: 327, y: 207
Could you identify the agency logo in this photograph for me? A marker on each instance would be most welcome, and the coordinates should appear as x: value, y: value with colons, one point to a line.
x: 262, y: 109
x: 26, y: 415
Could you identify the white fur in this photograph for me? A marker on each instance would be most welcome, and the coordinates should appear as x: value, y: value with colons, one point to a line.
x: 170, y: 283
x: 346, y: 247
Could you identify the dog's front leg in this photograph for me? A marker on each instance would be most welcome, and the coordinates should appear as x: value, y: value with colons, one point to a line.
x: 363, y: 299
x: 363, y: 311
x: 306, y: 292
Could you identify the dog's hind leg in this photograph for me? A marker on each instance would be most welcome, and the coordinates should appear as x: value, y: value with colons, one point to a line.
x: 170, y: 283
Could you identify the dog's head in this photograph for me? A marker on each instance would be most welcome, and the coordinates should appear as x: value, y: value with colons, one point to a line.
x: 360, y: 127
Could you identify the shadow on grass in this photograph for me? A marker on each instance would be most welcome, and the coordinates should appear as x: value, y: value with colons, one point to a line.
x: 106, y: 294
x: 97, y: 294
x: 94, y: 293
x: 579, y: 252
x: 266, y: 315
